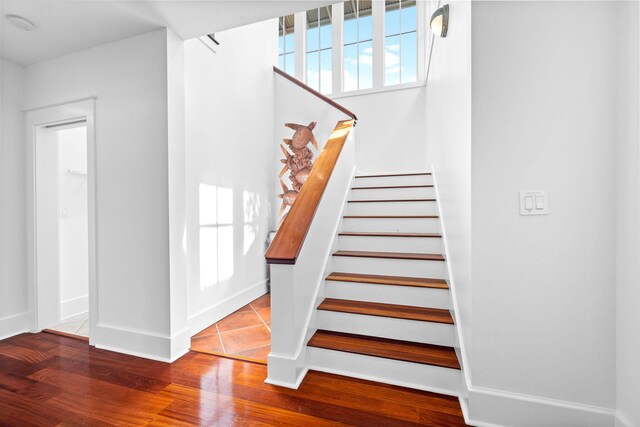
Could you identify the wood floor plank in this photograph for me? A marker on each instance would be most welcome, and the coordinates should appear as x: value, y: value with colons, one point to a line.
x: 390, y: 255
x: 419, y: 282
x: 393, y: 174
x: 387, y: 234
x: 391, y: 187
x: 391, y: 200
x: 392, y: 216
x: 435, y: 315
x: 81, y: 385
x: 406, y: 351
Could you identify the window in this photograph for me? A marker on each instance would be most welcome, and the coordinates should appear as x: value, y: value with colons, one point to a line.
x: 358, y: 45
x: 286, y: 45
x: 216, y: 235
x: 400, y: 42
x: 319, y: 44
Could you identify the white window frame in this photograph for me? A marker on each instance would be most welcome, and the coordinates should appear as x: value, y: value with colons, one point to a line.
x: 378, y: 10
x: 319, y: 51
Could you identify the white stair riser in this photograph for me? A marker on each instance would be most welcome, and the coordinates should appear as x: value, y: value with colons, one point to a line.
x: 390, y: 267
x: 408, y: 225
x: 406, y: 374
x: 392, y: 208
x: 386, y: 327
x: 388, y: 294
x: 393, y: 193
x: 387, y: 181
x: 430, y: 245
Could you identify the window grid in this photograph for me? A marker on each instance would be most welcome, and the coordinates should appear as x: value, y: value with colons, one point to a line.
x: 286, y: 44
x: 357, y: 44
x: 399, y: 34
x: 322, y: 84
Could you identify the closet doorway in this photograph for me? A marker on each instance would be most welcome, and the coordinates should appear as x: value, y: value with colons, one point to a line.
x: 62, y: 223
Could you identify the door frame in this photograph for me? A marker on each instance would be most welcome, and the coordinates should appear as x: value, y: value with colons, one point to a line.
x: 35, y: 119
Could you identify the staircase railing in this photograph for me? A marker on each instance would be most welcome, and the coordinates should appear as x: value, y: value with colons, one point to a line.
x: 309, y: 89
x: 302, y: 247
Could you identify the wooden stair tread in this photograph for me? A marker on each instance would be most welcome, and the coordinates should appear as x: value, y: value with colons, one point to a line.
x: 391, y: 186
x: 392, y: 201
x: 393, y: 174
x: 418, y: 282
x: 393, y: 216
x: 382, y: 234
x: 406, y: 351
x: 407, y: 312
x: 391, y: 255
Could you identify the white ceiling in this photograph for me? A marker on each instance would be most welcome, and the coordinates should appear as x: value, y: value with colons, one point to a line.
x: 65, y: 26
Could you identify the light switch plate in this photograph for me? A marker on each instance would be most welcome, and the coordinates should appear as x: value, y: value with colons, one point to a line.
x: 534, y: 203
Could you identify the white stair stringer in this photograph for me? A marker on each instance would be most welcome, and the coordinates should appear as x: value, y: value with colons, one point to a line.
x: 406, y: 374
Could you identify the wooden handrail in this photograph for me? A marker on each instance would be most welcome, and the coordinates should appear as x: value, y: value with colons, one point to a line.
x: 288, y: 242
x: 311, y: 90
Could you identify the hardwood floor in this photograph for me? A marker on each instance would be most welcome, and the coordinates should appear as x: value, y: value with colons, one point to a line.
x: 48, y: 380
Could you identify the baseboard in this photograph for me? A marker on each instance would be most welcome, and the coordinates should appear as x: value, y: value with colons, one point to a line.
x: 286, y: 371
x: 493, y: 408
x: 622, y: 421
x: 14, y: 325
x: 148, y: 345
x: 212, y: 314
x: 73, y: 307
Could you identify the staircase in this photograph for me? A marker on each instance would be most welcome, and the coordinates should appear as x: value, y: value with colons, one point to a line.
x: 386, y: 313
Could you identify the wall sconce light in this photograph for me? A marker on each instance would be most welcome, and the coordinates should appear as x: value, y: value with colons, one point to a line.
x: 440, y: 21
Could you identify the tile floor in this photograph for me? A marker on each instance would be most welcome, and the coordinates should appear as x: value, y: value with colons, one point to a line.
x: 77, y: 326
x: 244, y: 333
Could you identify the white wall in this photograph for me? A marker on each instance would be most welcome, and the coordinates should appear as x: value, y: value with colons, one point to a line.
x: 391, y: 132
x: 540, y: 294
x: 544, y: 105
x: 628, y: 216
x: 73, y: 222
x: 448, y: 136
x: 229, y: 144
x: 13, y: 292
x: 130, y: 83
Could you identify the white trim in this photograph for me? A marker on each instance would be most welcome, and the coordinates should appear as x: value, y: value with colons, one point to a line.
x: 452, y: 287
x: 210, y: 315
x: 14, y: 324
x: 55, y: 113
x: 140, y: 343
x: 412, y: 85
x: 73, y: 307
x: 293, y: 385
x: 623, y: 421
x: 494, y: 408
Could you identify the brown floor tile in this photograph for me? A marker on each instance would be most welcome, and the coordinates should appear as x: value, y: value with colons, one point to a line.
x: 263, y: 302
x: 207, y: 331
x: 246, y: 338
x: 265, y: 314
x: 207, y: 343
x: 259, y: 353
x: 239, y: 319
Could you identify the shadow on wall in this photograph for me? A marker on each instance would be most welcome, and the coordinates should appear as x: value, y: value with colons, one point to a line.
x: 217, y: 230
